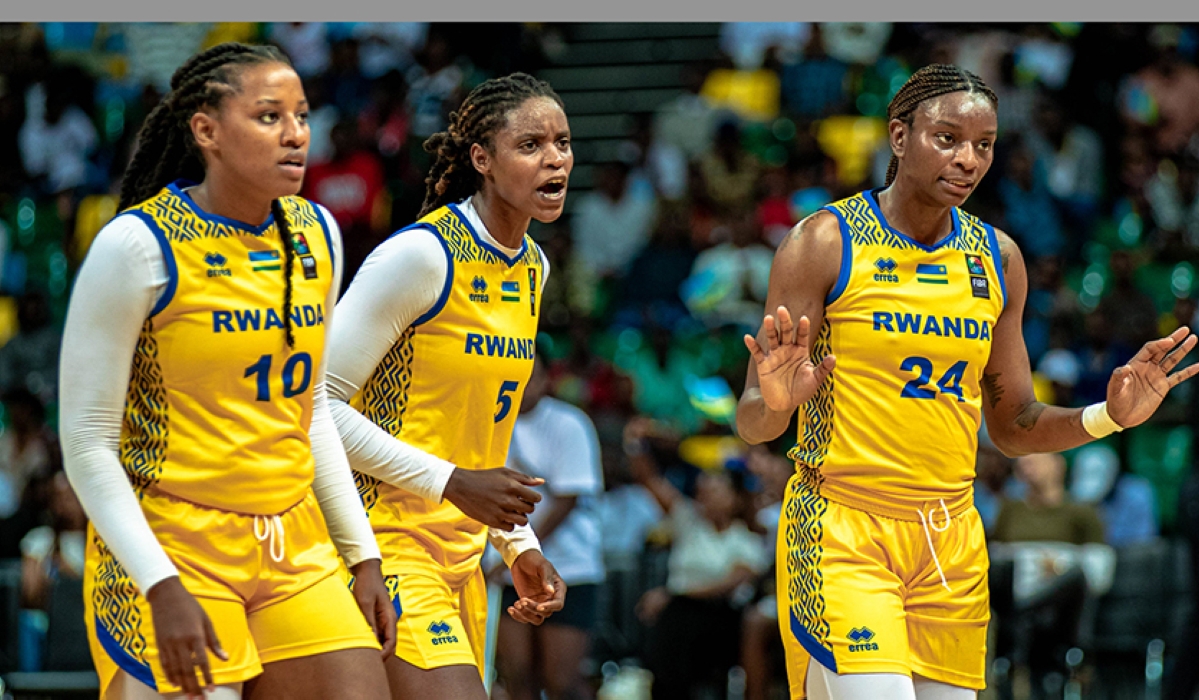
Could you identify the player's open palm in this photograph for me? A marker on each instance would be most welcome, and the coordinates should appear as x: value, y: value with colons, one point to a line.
x: 786, y: 374
x: 1137, y: 388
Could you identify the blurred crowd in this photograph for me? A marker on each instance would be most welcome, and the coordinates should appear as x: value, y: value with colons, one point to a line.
x: 660, y: 266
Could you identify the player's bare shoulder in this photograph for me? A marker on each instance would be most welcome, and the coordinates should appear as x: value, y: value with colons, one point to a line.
x: 1009, y: 253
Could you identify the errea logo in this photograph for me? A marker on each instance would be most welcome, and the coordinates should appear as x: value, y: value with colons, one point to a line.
x: 216, y: 265
x: 861, y: 638
x: 441, y: 633
x: 478, y: 287
x: 886, y: 270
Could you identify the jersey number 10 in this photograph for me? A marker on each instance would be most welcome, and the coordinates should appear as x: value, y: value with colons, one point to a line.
x: 291, y: 386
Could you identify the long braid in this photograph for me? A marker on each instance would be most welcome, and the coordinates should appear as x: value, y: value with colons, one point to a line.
x: 929, y: 82
x: 452, y: 177
x: 166, y: 150
x: 289, y: 255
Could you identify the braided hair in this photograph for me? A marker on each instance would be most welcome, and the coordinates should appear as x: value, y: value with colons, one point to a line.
x: 166, y: 148
x: 925, y: 84
x: 452, y: 177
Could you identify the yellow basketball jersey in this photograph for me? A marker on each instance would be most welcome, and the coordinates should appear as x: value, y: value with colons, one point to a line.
x: 452, y: 386
x: 895, y: 425
x: 218, y: 407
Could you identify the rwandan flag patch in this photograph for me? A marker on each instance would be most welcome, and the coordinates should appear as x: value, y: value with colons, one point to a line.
x: 510, y: 291
x: 265, y: 260
x: 932, y: 274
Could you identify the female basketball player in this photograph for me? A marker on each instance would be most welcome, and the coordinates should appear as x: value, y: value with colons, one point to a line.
x: 194, y: 422
x: 882, y: 561
x: 432, y: 350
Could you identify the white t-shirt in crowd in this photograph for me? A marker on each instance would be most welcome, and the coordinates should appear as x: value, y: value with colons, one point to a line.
x: 700, y: 556
x: 557, y: 442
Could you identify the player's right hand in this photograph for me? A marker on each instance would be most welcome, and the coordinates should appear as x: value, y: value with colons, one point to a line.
x: 787, y: 377
x: 499, y: 498
x: 184, y: 635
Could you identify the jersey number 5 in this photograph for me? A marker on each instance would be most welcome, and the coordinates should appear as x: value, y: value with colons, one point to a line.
x: 291, y: 385
x: 949, y: 383
x: 504, y: 402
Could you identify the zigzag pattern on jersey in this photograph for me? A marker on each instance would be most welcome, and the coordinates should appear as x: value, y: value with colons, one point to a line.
x: 114, y: 600
x: 866, y: 229
x: 384, y: 400
x: 465, y: 248
x: 180, y: 224
x: 818, y: 426
x: 805, y: 533
x: 145, y: 429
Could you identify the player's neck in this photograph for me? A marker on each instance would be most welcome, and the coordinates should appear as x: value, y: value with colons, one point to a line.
x: 505, y: 224
x: 908, y: 212
x: 226, y: 199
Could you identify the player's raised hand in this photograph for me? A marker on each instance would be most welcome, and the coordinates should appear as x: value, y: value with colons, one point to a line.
x: 786, y: 374
x: 1137, y: 388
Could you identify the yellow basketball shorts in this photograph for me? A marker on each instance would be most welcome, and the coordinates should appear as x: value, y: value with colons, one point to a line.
x: 862, y: 593
x: 262, y: 610
x: 439, y: 624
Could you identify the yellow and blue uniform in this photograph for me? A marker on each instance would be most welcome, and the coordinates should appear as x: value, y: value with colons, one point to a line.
x: 215, y: 442
x: 451, y: 385
x: 880, y: 508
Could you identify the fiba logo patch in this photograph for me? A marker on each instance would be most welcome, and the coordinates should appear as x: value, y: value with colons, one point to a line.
x: 441, y: 633
x: 886, y: 270
x: 861, y: 638
x: 478, y: 287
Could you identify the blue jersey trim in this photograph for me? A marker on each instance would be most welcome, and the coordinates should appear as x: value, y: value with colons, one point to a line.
x: 846, y: 258
x: 320, y: 216
x: 122, y: 658
x: 524, y: 241
x: 444, y: 296
x: 872, y: 200
x: 168, y: 257
x: 997, y: 260
x: 176, y: 188
x: 813, y: 647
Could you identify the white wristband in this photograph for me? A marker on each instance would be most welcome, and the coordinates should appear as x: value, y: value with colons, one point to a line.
x: 1097, y: 421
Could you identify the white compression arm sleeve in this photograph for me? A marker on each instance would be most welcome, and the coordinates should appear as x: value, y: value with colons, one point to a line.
x: 333, y: 483
x: 116, y: 289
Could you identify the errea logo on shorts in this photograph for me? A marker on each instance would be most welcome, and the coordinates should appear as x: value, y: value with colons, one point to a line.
x: 441, y: 633
x: 861, y: 638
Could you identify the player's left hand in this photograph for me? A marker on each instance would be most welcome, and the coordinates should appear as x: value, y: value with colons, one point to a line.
x: 541, y: 591
x: 371, y: 593
x: 1137, y: 388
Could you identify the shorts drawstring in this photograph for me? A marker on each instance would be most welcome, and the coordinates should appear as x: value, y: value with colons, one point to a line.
x: 927, y: 521
x: 272, y: 528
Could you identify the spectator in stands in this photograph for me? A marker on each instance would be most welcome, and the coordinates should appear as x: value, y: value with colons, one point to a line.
x: 1099, y: 354
x: 1183, y: 681
x: 760, y: 641
x: 305, y: 43
x: 388, y: 46
x: 58, y: 138
x: 1028, y: 207
x: 1056, y: 550
x: 352, y: 188
x: 688, y: 122
x: 1131, y: 313
x: 610, y: 226
x: 1164, y: 96
x: 714, y: 562
x: 49, y: 552
x: 345, y: 85
x: 649, y: 290
x: 730, y: 173
x: 1072, y: 155
x: 434, y: 84
x: 557, y: 442
x: 1125, y: 501
x: 1051, y: 304
x: 814, y: 87
x: 993, y: 474
x: 30, y: 358
x: 153, y: 49
x: 727, y: 285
